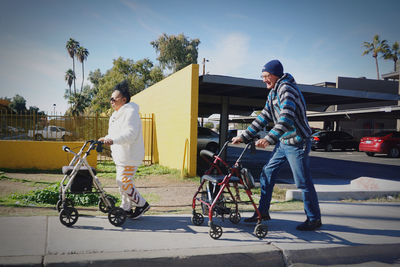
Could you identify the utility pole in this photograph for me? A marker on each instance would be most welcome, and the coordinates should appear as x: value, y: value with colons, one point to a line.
x: 204, y: 65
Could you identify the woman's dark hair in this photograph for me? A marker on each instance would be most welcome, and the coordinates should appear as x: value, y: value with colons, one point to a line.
x: 123, y: 88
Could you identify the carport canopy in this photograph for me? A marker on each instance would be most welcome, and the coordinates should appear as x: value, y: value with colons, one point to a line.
x: 227, y: 95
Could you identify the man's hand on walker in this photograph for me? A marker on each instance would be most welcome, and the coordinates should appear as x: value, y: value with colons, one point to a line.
x: 237, y: 140
x: 263, y: 143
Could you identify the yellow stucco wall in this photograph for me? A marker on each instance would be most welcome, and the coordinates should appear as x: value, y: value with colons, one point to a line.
x: 174, y: 103
x: 43, y: 155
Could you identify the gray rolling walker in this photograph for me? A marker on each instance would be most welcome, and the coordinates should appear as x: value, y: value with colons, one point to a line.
x: 80, y: 178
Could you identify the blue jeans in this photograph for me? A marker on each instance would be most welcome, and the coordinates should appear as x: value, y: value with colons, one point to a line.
x: 297, y: 156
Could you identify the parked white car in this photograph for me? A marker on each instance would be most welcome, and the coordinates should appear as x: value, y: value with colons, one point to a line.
x: 49, y: 132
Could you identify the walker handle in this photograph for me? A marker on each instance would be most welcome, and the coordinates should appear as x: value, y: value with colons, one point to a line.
x: 66, y: 149
x: 99, y: 147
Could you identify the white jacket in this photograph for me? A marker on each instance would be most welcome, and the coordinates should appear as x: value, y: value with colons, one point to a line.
x: 125, y: 129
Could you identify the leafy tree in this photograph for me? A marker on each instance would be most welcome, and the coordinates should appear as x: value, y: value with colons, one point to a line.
x: 33, y: 109
x: 72, y: 47
x: 176, y: 52
x: 393, y: 53
x: 94, y: 77
x: 376, y: 47
x: 18, y: 104
x: 82, y: 54
x: 69, y: 78
x: 209, y: 125
x: 139, y: 74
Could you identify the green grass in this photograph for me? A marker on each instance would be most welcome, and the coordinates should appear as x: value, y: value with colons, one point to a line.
x: 106, y: 169
x: 48, y: 196
x: 45, y: 194
x: 156, y: 170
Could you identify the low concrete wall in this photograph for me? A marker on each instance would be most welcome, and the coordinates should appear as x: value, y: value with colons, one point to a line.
x: 43, y: 155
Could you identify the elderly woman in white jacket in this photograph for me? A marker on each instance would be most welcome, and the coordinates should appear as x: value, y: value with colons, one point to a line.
x: 127, y: 148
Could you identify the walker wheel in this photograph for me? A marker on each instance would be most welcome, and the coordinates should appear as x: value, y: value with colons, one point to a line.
x: 117, y: 216
x: 68, y: 203
x: 68, y: 216
x: 215, y: 231
x: 197, y: 219
x: 261, y: 230
x: 234, y: 217
x: 103, y: 207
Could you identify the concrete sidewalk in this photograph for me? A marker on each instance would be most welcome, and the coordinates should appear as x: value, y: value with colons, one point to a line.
x: 351, y: 233
x: 358, y: 189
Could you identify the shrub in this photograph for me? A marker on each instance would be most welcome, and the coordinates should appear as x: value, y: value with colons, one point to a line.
x: 50, y: 195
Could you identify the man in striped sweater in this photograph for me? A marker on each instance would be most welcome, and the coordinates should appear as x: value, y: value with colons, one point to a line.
x: 286, y: 108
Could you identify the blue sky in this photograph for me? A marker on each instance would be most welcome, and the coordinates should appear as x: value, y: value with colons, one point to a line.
x: 315, y: 40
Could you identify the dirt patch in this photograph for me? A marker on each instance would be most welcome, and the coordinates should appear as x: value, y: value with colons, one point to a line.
x: 36, y: 177
x: 164, y: 193
x: 8, y: 187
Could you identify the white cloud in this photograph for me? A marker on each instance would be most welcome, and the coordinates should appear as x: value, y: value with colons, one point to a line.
x: 228, y: 56
x: 146, y: 17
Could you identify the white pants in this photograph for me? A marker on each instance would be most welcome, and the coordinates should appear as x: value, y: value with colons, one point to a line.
x: 129, y: 195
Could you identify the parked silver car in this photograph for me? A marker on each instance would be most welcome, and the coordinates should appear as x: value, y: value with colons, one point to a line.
x: 207, y: 139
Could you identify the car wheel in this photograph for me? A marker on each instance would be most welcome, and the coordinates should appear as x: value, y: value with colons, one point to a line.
x: 370, y: 154
x: 328, y: 148
x: 39, y: 137
x: 394, y: 152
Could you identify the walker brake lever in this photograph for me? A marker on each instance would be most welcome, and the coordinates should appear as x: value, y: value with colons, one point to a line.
x: 253, y: 148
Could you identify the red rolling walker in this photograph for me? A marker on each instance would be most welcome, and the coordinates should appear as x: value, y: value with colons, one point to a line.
x: 220, y: 178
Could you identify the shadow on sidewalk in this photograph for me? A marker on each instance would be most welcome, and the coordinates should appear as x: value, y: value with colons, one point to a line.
x: 171, y: 224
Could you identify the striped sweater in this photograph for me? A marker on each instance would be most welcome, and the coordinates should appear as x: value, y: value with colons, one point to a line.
x: 286, y: 108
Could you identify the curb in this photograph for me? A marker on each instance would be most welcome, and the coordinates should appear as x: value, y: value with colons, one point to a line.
x: 259, y: 255
x: 388, y: 253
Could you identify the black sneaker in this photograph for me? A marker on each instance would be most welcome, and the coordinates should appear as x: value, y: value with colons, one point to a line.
x: 129, y: 213
x: 309, y: 225
x: 139, y: 211
x: 254, y: 218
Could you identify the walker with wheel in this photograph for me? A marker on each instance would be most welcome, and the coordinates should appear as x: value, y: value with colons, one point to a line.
x: 215, y: 184
x: 80, y: 178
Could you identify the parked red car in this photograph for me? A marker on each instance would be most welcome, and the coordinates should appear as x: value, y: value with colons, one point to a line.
x: 382, y: 143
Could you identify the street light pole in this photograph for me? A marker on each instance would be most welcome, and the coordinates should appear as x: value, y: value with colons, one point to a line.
x: 204, y: 65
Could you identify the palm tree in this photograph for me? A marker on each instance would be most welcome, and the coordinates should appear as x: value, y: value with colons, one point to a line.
x: 376, y: 47
x: 71, y: 47
x: 69, y: 77
x: 393, y: 53
x: 79, y: 102
x: 82, y: 54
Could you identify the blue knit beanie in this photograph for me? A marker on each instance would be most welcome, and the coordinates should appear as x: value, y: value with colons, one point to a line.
x: 274, y: 67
